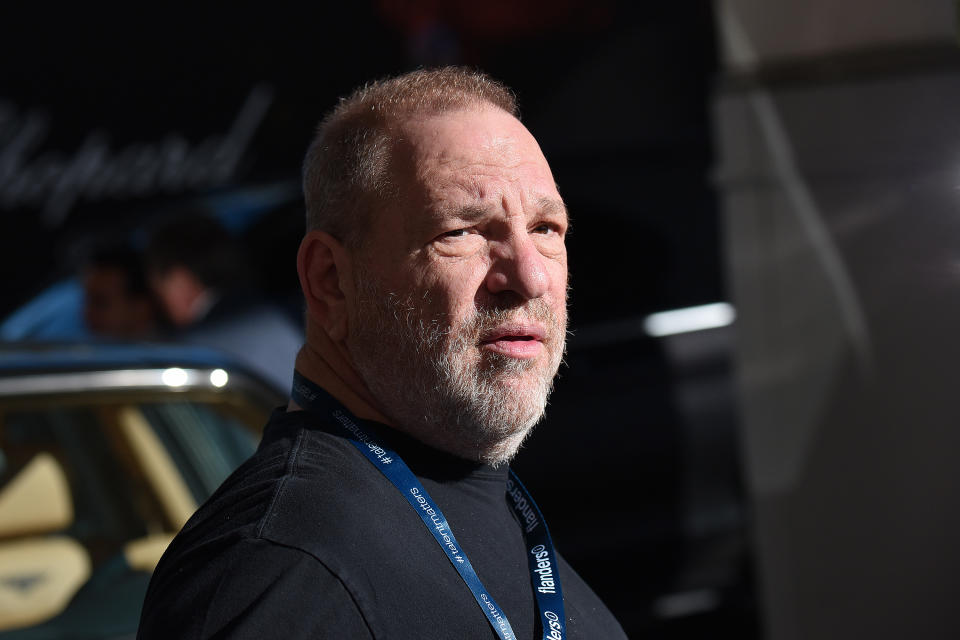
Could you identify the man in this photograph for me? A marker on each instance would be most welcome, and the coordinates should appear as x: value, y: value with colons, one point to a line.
x: 435, y: 276
x: 117, y: 302
x: 198, y: 274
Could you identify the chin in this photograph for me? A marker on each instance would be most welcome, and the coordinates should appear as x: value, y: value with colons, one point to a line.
x: 506, y: 449
x: 505, y: 421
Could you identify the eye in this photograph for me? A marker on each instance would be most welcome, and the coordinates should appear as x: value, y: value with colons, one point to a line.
x: 546, y: 229
x: 458, y: 242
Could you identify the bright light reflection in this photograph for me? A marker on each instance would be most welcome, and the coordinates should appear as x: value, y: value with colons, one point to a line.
x: 218, y: 377
x: 174, y: 377
x: 708, y: 316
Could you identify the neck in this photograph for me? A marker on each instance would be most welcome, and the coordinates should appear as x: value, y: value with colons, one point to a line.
x: 327, y: 365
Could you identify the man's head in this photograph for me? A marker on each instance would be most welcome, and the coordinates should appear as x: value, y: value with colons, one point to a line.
x: 443, y: 275
x: 347, y: 171
x: 117, y: 300
x: 189, y: 258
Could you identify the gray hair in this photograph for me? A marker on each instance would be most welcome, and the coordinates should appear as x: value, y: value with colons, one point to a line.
x: 346, y: 169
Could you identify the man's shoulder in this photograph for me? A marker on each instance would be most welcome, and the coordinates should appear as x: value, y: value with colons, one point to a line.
x: 292, y: 490
x: 246, y: 590
x: 587, y: 615
x: 306, y: 488
x: 281, y: 515
x: 328, y: 493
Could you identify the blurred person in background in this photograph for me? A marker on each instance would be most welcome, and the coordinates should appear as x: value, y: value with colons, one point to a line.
x: 199, y: 274
x: 380, y: 503
x: 117, y: 300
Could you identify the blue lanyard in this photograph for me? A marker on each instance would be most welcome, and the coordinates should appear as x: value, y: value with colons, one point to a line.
x: 541, y: 557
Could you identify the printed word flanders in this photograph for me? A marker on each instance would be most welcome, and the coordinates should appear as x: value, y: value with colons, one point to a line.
x: 556, y: 629
x: 522, y: 507
x: 544, y: 569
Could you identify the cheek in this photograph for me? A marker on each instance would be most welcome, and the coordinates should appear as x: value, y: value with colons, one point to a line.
x: 558, y: 279
x: 454, y: 288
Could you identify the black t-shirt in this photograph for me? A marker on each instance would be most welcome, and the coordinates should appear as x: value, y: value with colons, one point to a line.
x: 308, y: 539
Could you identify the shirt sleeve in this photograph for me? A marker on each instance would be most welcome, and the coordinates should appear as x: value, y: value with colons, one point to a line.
x: 254, y: 589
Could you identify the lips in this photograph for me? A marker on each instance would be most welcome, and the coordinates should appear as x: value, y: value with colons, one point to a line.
x: 519, y: 340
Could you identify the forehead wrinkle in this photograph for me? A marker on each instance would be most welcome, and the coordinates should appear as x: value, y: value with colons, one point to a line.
x: 484, y: 200
x: 469, y: 176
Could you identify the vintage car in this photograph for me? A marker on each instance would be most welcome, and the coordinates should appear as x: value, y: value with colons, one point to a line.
x: 105, y: 452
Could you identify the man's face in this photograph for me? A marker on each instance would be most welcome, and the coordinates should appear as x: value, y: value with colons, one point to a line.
x: 109, y: 309
x: 460, y: 316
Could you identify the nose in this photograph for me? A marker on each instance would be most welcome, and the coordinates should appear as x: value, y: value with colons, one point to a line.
x: 517, y: 266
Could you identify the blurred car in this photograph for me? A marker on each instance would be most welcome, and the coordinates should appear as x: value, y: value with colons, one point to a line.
x: 105, y: 451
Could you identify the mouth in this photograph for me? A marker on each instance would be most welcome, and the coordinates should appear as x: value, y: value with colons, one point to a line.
x: 523, y: 341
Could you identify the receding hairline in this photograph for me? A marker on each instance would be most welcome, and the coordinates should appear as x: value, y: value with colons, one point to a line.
x: 427, y: 91
x: 345, y: 171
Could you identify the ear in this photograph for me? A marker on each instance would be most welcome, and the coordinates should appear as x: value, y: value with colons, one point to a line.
x: 322, y: 263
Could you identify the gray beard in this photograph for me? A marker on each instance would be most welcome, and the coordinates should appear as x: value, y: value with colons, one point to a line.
x: 431, y: 379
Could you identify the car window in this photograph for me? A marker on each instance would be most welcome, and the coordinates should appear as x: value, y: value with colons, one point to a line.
x: 205, y: 444
x: 91, y: 491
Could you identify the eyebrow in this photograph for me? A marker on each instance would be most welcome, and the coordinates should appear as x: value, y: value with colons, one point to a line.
x: 470, y: 213
x: 475, y: 213
x: 554, y: 207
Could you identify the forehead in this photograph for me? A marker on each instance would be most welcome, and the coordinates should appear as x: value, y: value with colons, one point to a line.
x: 478, y: 154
